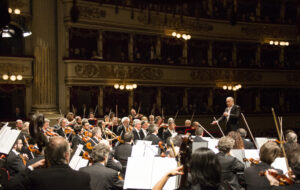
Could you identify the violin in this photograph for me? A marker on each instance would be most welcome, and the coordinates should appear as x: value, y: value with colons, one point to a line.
x: 50, y: 133
x: 283, y: 180
x: 33, y: 149
x: 23, y: 159
x: 251, y: 160
x: 88, y: 134
x: 86, y: 156
x: 85, y: 138
x: 69, y: 130
x: 89, y: 146
x: 162, y: 148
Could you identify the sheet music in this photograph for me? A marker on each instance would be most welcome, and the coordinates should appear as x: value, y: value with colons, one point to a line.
x: 144, y: 150
x: 239, y: 154
x: 78, y: 162
x: 212, y: 144
x: 161, y: 167
x: 261, y: 141
x: 251, y: 153
x: 82, y: 163
x: 280, y: 163
x: 138, y: 173
x: 144, y: 173
x: 142, y: 142
x: 78, y: 150
x: 8, y: 138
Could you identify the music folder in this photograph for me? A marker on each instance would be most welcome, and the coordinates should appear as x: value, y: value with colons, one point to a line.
x: 145, y: 172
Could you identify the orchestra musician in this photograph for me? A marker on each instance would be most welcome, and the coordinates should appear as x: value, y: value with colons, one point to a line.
x: 151, y: 119
x: 94, y: 140
x: 198, y: 135
x: 267, y: 153
x: 102, y: 177
x: 153, y: 131
x: 136, y: 130
x: 247, y: 144
x: 170, y: 131
x: 230, y: 165
x: 231, y: 115
x: 144, y: 129
x: 122, y: 129
x: 191, y: 130
x: 77, y: 139
x: 56, y: 175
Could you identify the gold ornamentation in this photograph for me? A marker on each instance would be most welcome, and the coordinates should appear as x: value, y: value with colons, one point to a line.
x: 225, y: 75
x: 117, y: 71
x: 91, y: 12
x: 13, y: 68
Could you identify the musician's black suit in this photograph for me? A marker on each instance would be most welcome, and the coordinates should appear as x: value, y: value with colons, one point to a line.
x: 60, y: 177
x: 102, y: 177
x: 166, y: 135
x: 256, y: 182
x: 15, y: 164
x: 136, y: 135
x: 234, y: 118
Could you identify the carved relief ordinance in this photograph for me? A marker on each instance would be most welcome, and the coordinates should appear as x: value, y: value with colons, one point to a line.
x: 117, y: 72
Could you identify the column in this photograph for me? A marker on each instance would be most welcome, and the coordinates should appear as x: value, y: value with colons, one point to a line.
x: 45, y: 62
x: 209, y: 53
x: 282, y: 10
x: 158, y: 98
x: 185, y: 100
x: 28, y: 98
x: 100, y: 44
x: 68, y: 98
x: 130, y: 48
x: 258, y: 10
x: 67, y: 41
x: 234, y: 54
x: 257, y: 57
x: 100, y: 101
x: 130, y: 100
x: 235, y: 5
x: 257, y: 101
x: 281, y: 57
x: 210, y: 101
x: 185, y: 52
x: 158, y: 48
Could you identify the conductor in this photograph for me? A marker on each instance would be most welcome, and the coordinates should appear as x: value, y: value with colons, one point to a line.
x: 231, y: 115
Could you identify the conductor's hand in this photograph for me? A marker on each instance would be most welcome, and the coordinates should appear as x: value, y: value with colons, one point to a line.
x: 214, y: 123
x: 225, y: 114
x: 177, y: 171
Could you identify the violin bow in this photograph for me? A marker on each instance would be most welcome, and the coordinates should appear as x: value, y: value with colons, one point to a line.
x: 95, y: 110
x: 73, y: 109
x: 138, y: 112
x: 26, y: 142
x: 207, y: 131
x: 192, y: 117
x: 61, y: 115
x: 117, y: 110
x: 176, y: 115
x: 281, y: 128
x: 280, y: 138
x: 251, y: 135
x: 219, y: 127
x: 84, y: 109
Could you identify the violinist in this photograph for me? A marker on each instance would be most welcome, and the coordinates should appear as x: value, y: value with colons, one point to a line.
x: 191, y: 130
x: 16, y: 161
x: 61, y: 128
x: 159, y: 122
x: 57, y: 175
x: 247, y: 144
x: 102, y: 177
x: 230, y: 165
x: 144, y: 129
x: 92, y: 120
x: 78, y: 120
x: 136, y: 130
x: 122, y: 129
x: 94, y: 140
x: 77, y: 139
x: 153, y: 131
x: 151, y: 119
x: 170, y: 131
x: 295, y: 166
x: 291, y: 144
x: 205, y: 173
x: 268, y: 153
x: 198, y: 135
x: 115, y: 124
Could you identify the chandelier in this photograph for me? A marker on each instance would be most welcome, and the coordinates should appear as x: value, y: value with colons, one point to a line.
x: 124, y: 86
x: 232, y: 87
x: 183, y: 36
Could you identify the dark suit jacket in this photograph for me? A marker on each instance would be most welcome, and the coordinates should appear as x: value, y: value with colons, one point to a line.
x: 166, y: 135
x: 154, y: 138
x: 60, y: 177
x: 230, y: 166
x: 142, y: 135
x: 136, y: 135
x: 295, y: 186
x: 234, y: 119
x: 254, y: 181
x: 76, y: 140
x: 102, y: 177
x: 122, y: 152
x: 15, y: 164
x: 248, y: 144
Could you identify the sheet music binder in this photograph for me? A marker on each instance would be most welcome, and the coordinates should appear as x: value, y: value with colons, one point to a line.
x: 8, y: 138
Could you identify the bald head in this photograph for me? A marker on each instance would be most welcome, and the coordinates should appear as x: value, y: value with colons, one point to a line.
x: 229, y: 101
x: 57, y: 151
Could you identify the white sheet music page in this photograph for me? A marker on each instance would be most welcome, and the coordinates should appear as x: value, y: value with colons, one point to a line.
x: 74, y: 162
x: 162, y: 166
x: 280, y: 163
x: 251, y: 153
x: 82, y: 163
x: 7, y: 139
x: 212, y: 143
x: 138, y: 173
